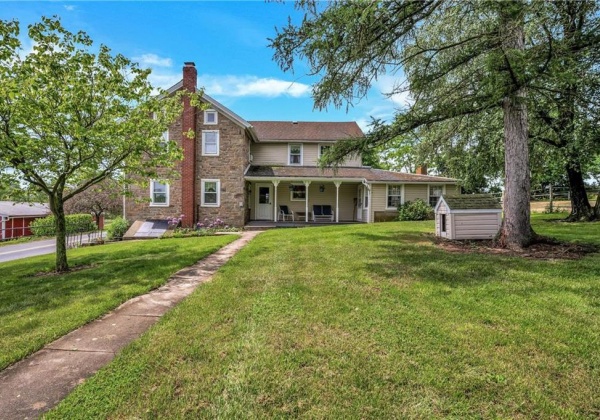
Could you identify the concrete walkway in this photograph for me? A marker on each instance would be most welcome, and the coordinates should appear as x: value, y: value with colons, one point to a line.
x: 36, y: 384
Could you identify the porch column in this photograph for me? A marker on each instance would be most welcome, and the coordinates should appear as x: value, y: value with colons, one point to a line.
x: 275, y: 211
x: 306, y: 184
x: 337, y: 200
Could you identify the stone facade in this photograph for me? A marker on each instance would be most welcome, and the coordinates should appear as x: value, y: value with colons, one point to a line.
x: 228, y: 167
x: 138, y: 206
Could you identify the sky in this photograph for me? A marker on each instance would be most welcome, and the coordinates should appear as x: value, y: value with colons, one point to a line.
x: 228, y: 41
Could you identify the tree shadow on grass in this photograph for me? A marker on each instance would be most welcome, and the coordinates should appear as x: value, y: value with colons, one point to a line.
x: 414, y: 256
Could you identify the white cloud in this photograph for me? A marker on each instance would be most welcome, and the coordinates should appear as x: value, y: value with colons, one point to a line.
x: 69, y: 7
x: 247, y: 85
x: 153, y: 60
x: 389, y: 83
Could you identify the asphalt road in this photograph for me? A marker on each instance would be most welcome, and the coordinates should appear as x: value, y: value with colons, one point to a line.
x: 27, y: 249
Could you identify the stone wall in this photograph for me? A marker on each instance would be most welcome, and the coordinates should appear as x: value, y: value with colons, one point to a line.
x: 138, y: 207
x: 228, y: 167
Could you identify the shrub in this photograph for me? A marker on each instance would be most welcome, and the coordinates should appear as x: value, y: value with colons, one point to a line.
x: 74, y: 223
x: 415, y: 210
x: 117, y: 228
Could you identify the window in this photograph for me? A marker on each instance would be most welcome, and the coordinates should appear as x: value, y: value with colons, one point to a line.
x: 394, y: 196
x: 164, y: 141
x: 210, y: 143
x: 323, y: 149
x: 211, y: 193
x: 159, y: 194
x: 211, y: 117
x: 435, y: 192
x: 298, y: 192
x: 295, y: 154
x: 443, y: 223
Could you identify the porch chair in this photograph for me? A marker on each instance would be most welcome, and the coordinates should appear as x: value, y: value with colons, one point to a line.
x: 285, y: 213
x: 322, y: 213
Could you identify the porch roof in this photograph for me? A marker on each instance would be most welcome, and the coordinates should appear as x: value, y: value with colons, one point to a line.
x: 342, y: 173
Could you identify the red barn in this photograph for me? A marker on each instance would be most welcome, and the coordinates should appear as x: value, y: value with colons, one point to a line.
x: 15, y: 218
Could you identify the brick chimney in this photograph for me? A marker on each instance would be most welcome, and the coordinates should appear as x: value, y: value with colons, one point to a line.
x: 421, y: 170
x: 188, y: 165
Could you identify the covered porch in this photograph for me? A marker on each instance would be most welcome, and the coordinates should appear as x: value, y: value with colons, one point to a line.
x: 288, y: 202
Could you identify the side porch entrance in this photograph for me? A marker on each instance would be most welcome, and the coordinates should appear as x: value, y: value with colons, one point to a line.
x: 264, y: 202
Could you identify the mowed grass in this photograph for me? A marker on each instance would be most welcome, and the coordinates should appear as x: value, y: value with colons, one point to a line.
x: 368, y: 321
x: 34, y: 310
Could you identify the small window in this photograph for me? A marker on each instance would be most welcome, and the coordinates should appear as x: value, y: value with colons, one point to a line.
x: 210, y: 143
x: 211, y: 117
x: 443, y: 223
x: 159, y: 194
x: 298, y: 192
x: 211, y: 193
x: 323, y: 149
x: 435, y: 192
x: 295, y: 154
x: 394, y: 196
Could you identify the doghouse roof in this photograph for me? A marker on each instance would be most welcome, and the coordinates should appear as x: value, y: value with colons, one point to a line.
x: 471, y: 202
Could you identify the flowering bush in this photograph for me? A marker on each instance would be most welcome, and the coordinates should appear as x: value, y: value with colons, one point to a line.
x: 175, y: 222
x: 206, y: 227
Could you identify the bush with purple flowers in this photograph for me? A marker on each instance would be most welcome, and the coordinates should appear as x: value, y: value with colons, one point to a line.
x: 207, y: 227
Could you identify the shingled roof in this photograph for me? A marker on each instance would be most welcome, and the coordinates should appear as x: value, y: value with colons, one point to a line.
x: 305, y: 131
x: 313, y: 172
x: 472, y: 202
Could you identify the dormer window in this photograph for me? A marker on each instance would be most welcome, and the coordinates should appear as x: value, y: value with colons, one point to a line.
x: 211, y: 117
x: 295, y: 154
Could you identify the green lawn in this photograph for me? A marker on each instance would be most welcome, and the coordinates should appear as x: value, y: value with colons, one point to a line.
x: 367, y: 321
x: 34, y: 310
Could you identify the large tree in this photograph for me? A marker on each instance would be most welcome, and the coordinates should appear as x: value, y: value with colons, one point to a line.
x: 73, y: 114
x: 460, y: 59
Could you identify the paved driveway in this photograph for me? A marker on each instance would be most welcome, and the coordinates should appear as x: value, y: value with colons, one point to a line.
x: 27, y: 249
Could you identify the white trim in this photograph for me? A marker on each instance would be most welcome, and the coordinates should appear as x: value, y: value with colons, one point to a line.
x: 204, y: 142
x: 202, y: 191
x: 297, y: 184
x: 211, y: 111
x: 290, y: 154
x: 387, y: 194
x: 480, y: 211
x: 152, y: 203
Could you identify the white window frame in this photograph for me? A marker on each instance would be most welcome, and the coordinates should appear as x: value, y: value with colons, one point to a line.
x: 290, y: 154
x: 204, y: 132
x: 203, y: 191
x: 292, y: 193
x: 429, y: 192
x: 154, y: 204
x: 387, y: 195
x: 211, y: 111
x: 319, y: 148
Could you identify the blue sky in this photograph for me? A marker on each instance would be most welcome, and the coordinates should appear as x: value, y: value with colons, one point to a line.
x: 228, y: 42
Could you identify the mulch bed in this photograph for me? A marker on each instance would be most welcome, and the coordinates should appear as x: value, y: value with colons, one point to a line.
x: 543, y: 249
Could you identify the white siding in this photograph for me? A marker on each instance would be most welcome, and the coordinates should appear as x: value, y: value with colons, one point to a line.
x: 269, y: 153
x: 414, y: 191
x: 277, y: 154
x: 476, y: 225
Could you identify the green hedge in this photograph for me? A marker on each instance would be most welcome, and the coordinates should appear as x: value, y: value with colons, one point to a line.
x: 415, y: 210
x: 117, y: 228
x: 75, y: 223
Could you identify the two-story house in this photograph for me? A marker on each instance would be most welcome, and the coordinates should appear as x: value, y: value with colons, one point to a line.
x: 238, y: 171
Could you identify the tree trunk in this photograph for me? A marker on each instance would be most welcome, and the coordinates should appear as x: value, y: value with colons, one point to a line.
x: 516, y: 231
x: 581, y: 210
x: 57, y: 208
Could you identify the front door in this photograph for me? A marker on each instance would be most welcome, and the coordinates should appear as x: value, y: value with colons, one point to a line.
x: 264, y: 202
